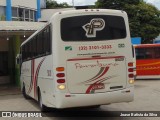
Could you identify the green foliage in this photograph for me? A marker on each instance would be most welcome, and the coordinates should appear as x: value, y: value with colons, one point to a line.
x: 144, y: 18
x: 2, y: 18
x: 115, y: 4
x: 51, y: 4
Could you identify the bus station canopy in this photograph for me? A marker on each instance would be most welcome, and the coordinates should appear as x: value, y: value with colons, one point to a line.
x: 20, y: 26
x: 11, y: 28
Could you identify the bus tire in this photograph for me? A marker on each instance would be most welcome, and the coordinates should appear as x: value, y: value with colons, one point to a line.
x: 24, y: 93
x: 43, y: 108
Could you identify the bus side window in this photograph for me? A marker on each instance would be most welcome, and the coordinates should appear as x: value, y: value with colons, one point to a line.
x: 45, y: 40
x: 38, y: 46
x: 157, y: 53
x: 34, y: 47
x: 30, y: 50
x: 23, y: 53
x: 140, y: 53
x: 47, y: 44
x: 149, y: 53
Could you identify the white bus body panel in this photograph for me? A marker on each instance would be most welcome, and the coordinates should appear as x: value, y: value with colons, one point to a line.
x: 80, y: 100
x: 103, y: 75
x: 34, y: 74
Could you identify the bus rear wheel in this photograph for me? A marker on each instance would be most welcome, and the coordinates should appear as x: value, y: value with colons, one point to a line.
x: 43, y: 108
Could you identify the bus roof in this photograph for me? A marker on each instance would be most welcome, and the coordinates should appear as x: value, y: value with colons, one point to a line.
x: 81, y: 11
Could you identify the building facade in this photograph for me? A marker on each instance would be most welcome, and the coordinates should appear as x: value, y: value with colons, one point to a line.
x: 18, y: 20
x: 19, y: 10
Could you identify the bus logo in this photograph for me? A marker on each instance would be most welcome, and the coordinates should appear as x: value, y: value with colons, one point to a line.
x: 96, y: 24
x: 68, y: 48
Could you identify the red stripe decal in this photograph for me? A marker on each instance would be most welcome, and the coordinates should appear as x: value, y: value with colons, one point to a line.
x: 32, y: 76
x: 36, y: 76
x: 99, y: 73
x: 91, y: 86
x: 104, y: 72
x: 95, y: 58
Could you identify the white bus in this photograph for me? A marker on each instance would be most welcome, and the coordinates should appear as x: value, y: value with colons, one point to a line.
x: 80, y: 58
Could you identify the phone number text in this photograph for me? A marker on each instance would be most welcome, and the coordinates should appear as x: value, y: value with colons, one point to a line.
x: 95, y: 47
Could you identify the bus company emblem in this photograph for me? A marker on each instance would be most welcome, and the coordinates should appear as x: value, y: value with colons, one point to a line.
x: 68, y: 48
x: 96, y: 24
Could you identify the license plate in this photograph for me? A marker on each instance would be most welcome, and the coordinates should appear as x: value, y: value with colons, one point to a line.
x: 98, y: 86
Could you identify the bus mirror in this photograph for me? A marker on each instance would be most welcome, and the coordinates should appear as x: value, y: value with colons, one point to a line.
x: 18, y: 59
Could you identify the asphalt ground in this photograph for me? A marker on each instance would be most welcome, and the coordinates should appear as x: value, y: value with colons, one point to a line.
x: 147, y: 98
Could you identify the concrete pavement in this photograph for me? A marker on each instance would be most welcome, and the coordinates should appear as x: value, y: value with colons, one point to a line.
x: 9, y: 90
x: 147, y: 97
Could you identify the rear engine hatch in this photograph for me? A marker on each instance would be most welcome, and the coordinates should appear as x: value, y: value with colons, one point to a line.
x: 96, y: 75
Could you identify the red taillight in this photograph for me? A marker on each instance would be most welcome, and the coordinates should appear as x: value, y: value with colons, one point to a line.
x: 130, y: 70
x: 130, y: 75
x: 61, y: 81
x: 130, y: 64
x: 60, y: 75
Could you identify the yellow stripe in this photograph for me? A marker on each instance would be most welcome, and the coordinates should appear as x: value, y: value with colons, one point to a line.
x: 149, y: 64
x: 147, y: 68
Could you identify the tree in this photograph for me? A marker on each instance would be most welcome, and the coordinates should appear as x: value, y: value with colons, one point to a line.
x: 149, y: 21
x: 115, y: 4
x: 51, y: 4
x: 144, y: 18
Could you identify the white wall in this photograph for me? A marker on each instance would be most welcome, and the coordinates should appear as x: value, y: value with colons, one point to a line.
x: 18, y: 25
x: 46, y: 14
x: 26, y: 3
x: 43, y: 3
x: 2, y: 2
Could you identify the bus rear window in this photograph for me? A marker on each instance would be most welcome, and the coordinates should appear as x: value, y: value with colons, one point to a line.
x: 93, y: 28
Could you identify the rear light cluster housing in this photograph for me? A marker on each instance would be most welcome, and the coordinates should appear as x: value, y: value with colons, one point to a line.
x: 60, y: 78
x: 130, y: 72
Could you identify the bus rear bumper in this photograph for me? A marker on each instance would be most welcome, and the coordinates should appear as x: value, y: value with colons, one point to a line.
x: 81, y: 100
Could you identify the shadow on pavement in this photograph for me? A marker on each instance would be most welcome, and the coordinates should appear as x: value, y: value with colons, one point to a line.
x: 80, y: 112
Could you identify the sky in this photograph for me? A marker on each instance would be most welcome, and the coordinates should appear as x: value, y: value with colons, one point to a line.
x: 154, y: 2
x: 91, y: 2
x: 78, y: 2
